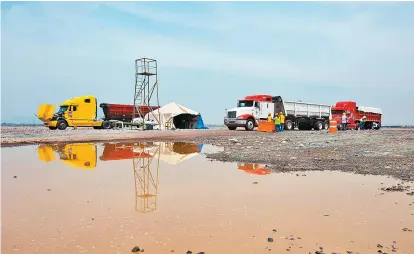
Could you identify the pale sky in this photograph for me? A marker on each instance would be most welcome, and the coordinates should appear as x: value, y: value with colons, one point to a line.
x: 210, y: 54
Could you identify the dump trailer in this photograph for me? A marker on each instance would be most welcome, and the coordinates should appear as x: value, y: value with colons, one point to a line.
x: 354, y: 114
x: 82, y: 112
x: 253, y: 108
x: 124, y: 112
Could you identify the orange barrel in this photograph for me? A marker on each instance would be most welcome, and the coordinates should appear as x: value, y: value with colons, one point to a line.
x: 332, y: 127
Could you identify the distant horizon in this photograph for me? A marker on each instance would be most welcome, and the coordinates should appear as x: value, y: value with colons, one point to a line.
x: 211, y: 124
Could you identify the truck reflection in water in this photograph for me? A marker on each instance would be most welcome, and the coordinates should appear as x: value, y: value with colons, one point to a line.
x: 145, y: 160
x: 256, y: 169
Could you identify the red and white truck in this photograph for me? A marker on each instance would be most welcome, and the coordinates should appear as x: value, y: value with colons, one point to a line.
x: 253, y: 108
x: 354, y: 114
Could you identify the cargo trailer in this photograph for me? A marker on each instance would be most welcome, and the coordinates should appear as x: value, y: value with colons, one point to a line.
x: 82, y: 112
x: 253, y: 108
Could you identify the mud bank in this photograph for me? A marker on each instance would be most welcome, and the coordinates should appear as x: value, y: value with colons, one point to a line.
x: 17, y: 136
x: 385, y: 152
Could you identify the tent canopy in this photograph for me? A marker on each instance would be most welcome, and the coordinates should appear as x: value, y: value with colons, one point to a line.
x: 174, y: 115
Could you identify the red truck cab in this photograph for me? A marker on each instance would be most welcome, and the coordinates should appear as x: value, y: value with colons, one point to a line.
x: 354, y: 113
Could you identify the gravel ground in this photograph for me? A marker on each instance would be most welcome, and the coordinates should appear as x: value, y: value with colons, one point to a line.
x: 384, y: 152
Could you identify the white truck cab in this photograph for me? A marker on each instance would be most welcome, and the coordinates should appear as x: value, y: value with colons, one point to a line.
x: 249, y: 112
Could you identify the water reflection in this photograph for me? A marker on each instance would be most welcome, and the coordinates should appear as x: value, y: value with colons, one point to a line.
x: 255, y: 169
x: 145, y: 159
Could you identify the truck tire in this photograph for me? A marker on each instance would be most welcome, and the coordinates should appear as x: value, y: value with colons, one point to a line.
x: 289, y: 125
x: 62, y: 125
x: 326, y: 125
x: 249, y: 124
x: 106, y: 125
x: 318, y: 126
x: 304, y: 126
x: 232, y: 128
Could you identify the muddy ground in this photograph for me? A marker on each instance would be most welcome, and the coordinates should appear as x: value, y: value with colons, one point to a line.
x: 383, y: 152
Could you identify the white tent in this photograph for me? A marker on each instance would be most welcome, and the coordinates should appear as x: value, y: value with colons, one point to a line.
x: 167, y: 113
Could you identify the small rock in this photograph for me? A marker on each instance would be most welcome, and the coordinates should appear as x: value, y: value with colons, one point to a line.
x: 284, y: 142
x: 233, y: 140
x: 14, y: 176
x: 407, y: 230
x: 270, y: 240
x: 255, y: 182
x: 189, y: 252
x: 135, y: 249
x: 201, y: 252
x: 379, y: 246
x: 293, y: 158
x: 274, y: 230
x: 49, y: 189
x: 142, y: 250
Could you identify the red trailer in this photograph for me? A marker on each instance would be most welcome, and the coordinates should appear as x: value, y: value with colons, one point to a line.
x: 124, y: 112
x: 354, y: 114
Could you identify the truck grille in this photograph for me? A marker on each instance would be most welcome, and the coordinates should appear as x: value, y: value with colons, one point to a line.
x: 231, y: 114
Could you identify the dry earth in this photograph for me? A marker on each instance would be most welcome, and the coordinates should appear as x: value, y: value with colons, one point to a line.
x: 384, y: 152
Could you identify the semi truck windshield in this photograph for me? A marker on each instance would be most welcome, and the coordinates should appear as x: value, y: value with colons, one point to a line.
x: 63, y: 108
x: 337, y: 112
x: 242, y: 104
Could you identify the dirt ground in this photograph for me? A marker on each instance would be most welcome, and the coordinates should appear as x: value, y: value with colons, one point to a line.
x: 384, y: 152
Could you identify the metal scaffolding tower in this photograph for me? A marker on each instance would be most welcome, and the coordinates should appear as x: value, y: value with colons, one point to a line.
x: 146, y: 83
x: 146, y: 176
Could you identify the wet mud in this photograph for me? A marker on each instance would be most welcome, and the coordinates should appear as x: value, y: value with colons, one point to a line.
x: 166, y: 197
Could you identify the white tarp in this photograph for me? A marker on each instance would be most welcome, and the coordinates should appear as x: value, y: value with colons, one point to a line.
x: 370, y: 110
x: 167, y: 113
x: 167, y: 154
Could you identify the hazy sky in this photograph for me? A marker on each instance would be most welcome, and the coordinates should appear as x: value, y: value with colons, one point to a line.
x: 210, y: 54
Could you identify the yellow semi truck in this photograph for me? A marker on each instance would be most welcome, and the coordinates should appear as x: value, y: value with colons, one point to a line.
x: 75, y: 112
x: 78, y: 155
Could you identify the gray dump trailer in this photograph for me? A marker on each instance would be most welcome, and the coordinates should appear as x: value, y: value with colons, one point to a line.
x: 303, y: 115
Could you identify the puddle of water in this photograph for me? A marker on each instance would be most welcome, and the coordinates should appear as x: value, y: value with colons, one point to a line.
x: 108, y: 198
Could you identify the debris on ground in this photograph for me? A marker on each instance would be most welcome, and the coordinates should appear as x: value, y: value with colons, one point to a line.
x: 135, y: 249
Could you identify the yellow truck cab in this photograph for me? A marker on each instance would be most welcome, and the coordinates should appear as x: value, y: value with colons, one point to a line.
x: 75, y: 112
x: 77, y: 155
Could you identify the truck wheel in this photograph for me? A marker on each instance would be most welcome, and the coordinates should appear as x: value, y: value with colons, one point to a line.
x: 249, y: 125
x: 289, y: 125
x: 325, y: 125
x: 318, y: 126
x: 304, y: 126
x: 232, y: 128
x: 52, y: 128
x: 62, y: 125
x: 378, y: 126
x: 106, y: 125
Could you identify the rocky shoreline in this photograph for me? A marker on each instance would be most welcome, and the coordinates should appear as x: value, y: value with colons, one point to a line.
x: 384, y: 152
